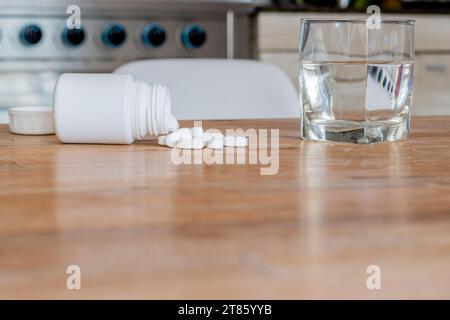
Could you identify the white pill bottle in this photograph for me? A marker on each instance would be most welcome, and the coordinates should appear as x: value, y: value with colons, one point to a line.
x: 110, y: 109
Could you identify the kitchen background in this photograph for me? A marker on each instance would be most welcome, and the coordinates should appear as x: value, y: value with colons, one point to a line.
x: 36, y: 46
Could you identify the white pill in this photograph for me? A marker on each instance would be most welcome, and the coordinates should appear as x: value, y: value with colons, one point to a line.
x: 215, y: 144
x: 184, y: 144
x: 198, y: 143
x: 197, y: 132
x: 172, y: 140
x: 184, y: 132
x: 190, y: 144
x: 175, y: 137
x: 240, y: 141
x: 209, y: 136
x: 229, y: 141
x: 162, y: 140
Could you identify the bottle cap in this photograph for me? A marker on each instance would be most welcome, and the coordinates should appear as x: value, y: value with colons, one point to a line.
x: 31, y: 120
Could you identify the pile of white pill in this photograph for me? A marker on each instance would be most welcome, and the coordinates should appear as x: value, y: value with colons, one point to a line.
x: 196, y: 138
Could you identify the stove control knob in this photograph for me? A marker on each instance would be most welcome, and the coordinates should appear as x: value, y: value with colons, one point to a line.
x: 30, y: 34
x: 73, y: 37
x: 153, y: 35
x: 193, y: 36
x: 114, y: 35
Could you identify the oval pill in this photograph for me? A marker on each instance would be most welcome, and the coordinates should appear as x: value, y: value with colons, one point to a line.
x: 172, y: 139
x: 190, y: 144
x: 183, y: 132
x: 209, y: 136
x: 197, y: 132
x: 197, y: 143
x: 175, y: 137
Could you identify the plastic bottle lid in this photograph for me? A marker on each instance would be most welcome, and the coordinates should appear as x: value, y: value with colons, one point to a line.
x: 31, y: 120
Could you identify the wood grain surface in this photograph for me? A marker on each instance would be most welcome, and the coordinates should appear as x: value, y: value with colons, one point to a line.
x: 140, y: 226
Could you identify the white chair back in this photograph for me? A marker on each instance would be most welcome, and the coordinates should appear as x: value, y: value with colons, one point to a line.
x: 219, y: 88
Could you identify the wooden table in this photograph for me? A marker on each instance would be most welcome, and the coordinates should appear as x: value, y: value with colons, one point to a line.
x: 140, y: 226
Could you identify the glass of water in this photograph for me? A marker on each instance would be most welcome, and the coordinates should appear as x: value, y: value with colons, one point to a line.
x: 356, y: 79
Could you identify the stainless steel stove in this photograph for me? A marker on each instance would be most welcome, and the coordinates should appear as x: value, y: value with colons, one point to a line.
x: 36, y: 45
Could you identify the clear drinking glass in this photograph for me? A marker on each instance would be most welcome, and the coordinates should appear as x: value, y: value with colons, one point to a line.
x: 356, y: 79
